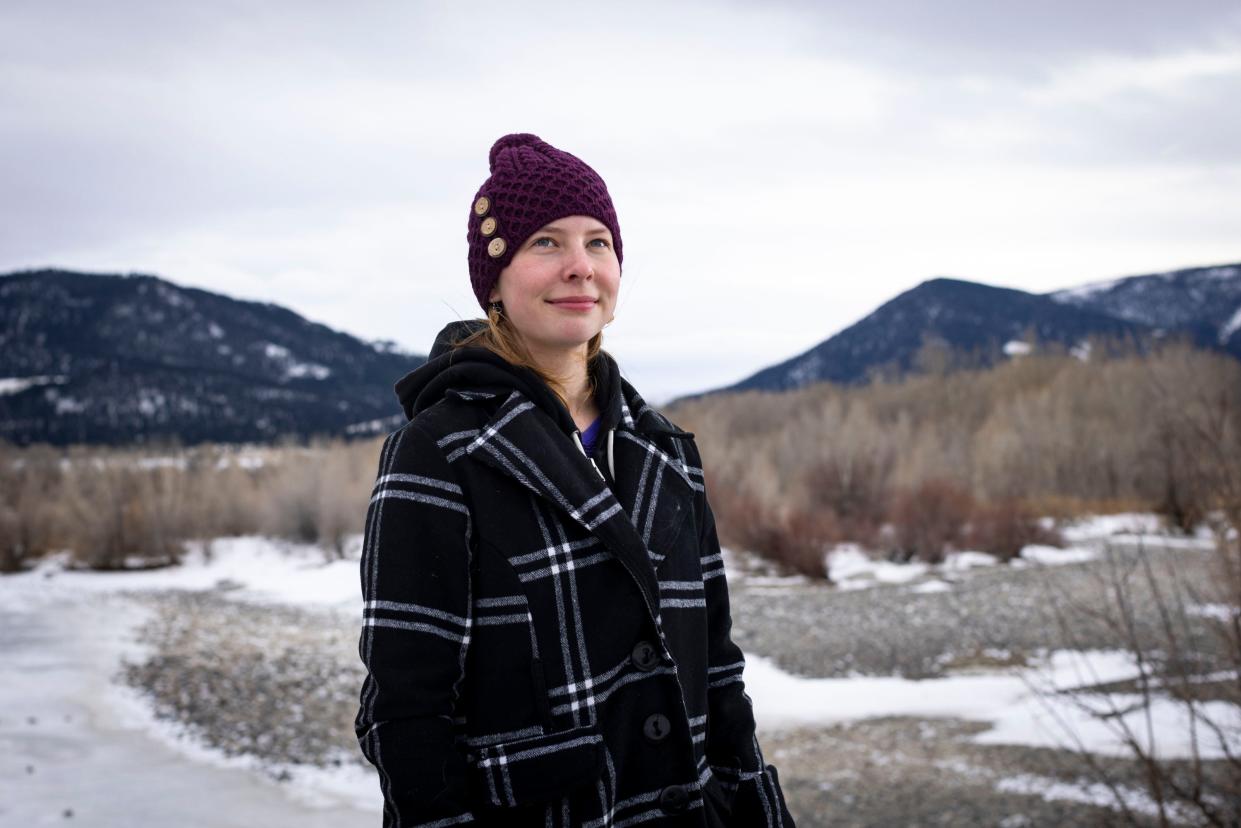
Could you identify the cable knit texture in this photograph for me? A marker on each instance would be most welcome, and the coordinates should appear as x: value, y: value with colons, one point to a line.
x: 532, y: 183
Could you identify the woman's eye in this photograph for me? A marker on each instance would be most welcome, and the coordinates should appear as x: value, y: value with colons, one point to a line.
x: 548, y: 241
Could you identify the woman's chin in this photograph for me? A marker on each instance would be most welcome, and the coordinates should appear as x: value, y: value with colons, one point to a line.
x: 568, y: 339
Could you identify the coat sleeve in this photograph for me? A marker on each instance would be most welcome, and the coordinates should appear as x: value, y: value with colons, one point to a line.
x: 415, y: 573
x: 732, y: 747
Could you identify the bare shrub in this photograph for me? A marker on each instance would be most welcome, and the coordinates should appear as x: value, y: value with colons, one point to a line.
x: 1180, y: 617
x: 928, y: 521
x: 349, y: 477
x: 13, y: 555
x: 227, y: 496
x: 852, y: 495
x: 801, y: 542
x: 318, y: 494
x: 741, y: 519
x: 28, y: 525
x: 794, y: 539
x: 1196, y: 408
x: 1183, y: 659
x: 1003, y: 527
x: 123, y: 514
x: 292, y: 501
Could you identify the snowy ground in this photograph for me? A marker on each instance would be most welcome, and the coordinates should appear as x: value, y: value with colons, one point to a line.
x: 76, y: 747
x: 75, y: 739
x: 851, y: 567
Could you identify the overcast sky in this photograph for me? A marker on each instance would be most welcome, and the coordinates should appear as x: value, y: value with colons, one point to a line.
x: 779, y: 169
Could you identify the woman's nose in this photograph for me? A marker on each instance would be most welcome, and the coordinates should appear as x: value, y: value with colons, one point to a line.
x: 579, y: 264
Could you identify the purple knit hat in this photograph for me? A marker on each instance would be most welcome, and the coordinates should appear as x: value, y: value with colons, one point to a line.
x: 532, y: 183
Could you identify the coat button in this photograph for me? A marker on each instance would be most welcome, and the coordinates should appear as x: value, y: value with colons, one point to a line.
x: 488, y: 227
x: 644, y: 656
x: 496, y: 249
x: 482, y: 206
x: 674, y: 798
x: 656, y: 727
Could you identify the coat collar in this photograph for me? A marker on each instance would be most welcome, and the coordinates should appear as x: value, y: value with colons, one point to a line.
x: 523, y: 443
x: 528, y: 437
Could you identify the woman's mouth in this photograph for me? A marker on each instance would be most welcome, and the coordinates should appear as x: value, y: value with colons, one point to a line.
x: 577, y: 303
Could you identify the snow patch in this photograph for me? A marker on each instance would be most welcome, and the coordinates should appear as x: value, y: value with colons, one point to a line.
x: 1079, y: 294
x: 63, y: 403
x: 805, y: 371
x: 164, y: 462
x: 389, y: 346
x: 1095, y: 793
x: 1026, y: 706
x: 347, y: 783
x: 173, y: 297
x: 850, y: 567
x: 1230, y: 327
x: 379, y: 425
x: 960, y: 561
x: 308, y: 369
x: 1053, y: 556
x: 1016, y: 347
x: 1220, y: 612
x: 150, y: 401
x: 16, y: 385
x: 1103, y: 526
x: 293, y: 367
x: 254, y: 568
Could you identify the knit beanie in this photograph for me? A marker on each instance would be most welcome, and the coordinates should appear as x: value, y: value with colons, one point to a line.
x: 532, y: 183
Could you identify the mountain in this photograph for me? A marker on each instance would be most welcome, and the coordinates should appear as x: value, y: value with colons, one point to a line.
x: 992, y: 323
x: 1204, y: 302
x: 102, y: 358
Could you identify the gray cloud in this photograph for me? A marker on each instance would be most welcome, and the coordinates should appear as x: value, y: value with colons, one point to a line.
x: 777, y: 168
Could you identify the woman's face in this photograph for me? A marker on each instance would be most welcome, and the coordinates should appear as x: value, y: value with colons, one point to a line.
x: 559, y: 289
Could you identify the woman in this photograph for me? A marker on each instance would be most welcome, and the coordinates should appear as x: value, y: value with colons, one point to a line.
x: 546, y: 624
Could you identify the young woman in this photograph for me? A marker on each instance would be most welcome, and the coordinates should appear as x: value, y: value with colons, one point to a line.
x: 546, y: 622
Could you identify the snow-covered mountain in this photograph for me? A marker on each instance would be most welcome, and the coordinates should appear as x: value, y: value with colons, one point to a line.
x: 992, y: 323
x: 129, y: 358
x: 117, y: 359
x: 1204, y: 301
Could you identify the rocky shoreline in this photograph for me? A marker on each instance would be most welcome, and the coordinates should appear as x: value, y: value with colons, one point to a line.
x: 281, y: 684
x: 991, y: 616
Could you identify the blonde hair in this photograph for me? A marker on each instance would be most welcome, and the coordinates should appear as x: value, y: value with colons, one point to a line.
x: 502, y: 339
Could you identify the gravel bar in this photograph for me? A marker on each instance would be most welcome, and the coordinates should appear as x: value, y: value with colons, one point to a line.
x: 282, y: 684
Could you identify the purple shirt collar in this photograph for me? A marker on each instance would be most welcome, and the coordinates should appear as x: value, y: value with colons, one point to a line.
x: 591, y: 434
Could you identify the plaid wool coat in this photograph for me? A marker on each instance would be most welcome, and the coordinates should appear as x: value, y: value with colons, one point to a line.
x: 546, y: 635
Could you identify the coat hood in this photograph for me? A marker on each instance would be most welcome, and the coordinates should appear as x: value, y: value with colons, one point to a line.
x: 478, y: 369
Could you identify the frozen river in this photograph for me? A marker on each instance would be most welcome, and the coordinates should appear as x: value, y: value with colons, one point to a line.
x: 71, y: 753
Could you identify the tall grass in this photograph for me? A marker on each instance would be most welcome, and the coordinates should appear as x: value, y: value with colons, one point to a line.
x: 123, y: 508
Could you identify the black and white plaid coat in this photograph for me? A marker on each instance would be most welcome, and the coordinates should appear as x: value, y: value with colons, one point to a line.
x: 544, y: 646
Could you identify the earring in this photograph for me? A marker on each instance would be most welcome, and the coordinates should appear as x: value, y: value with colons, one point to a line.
x: 497, y: 308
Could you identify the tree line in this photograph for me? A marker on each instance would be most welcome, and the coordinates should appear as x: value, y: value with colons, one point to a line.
x: 116, y: 508
x: 949, y: 459
x: 911, y: 468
